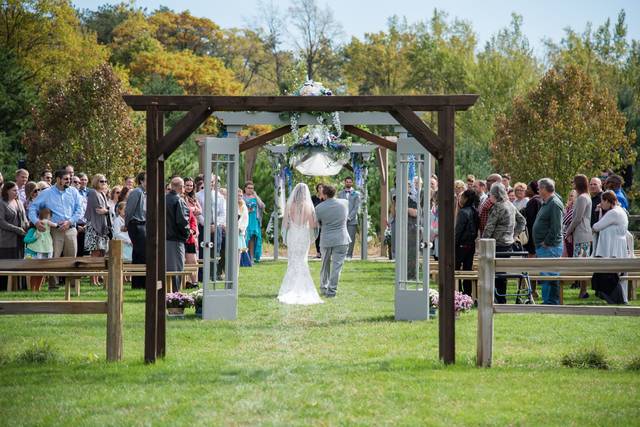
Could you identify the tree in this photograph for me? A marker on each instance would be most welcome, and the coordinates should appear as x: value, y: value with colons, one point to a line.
x: 133, y: 36
x: 317, y: 29
x: 197, y: 75
x: 183, y: 31
x: 565, y: 126
x: 85, y: 121
x: 46, y: 38
x: 16, y: 99
x: 106, y: 19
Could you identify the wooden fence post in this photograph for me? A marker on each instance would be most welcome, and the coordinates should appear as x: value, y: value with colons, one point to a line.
x: 486, y: 285
x: 114, y: 302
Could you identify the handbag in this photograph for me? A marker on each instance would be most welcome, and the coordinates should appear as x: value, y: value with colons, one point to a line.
x: 31, y: 236
x: 523, y: 237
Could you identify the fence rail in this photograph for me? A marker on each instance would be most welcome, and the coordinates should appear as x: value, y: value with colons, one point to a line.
x: 488, y: 264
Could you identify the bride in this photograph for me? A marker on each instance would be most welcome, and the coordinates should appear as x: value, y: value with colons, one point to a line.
x: 299, y: 229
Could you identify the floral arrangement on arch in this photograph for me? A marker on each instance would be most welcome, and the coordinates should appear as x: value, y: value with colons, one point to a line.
x: 179, y: 300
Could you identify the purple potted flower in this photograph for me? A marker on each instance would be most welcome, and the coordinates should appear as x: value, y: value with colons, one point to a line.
x: 177, y: 302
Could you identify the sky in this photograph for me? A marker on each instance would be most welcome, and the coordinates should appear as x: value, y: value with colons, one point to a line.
x: 542, y: 18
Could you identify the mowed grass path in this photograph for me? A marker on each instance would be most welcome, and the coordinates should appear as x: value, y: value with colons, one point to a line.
x: 346, y: 362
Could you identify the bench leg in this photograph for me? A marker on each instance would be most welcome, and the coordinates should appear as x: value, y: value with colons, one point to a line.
x: 632, y: 289
x: 67, y: 289
x: 561, y: 293
x: 76, y: 283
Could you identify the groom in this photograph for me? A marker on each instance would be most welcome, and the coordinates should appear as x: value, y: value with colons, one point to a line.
x: 334, y: 239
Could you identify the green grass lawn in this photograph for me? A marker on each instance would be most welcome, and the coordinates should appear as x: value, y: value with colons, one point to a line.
x: 346, y: 362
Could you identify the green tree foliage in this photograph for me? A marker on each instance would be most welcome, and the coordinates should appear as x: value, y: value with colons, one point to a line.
x: 16, y: 100
x: 85, y: 121
x: 183, y: 31
x: 565, y: 126
x: 46, y: 38
x: 132, y: 37
x: 106, y: 19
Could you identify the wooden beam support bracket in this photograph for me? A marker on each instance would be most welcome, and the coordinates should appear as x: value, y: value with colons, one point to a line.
x: 420, y: 131
x: 371, y: 137
x: 181, y: 131
x: 264, y: 138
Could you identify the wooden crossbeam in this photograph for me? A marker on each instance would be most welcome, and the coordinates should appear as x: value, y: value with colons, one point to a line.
x: 264, y: 138
x: 300, y: 103
x: 181, y: 131
x: 420, y: 131
x: 53, y: 307
x: 62, y: 263
x: 371, y: 137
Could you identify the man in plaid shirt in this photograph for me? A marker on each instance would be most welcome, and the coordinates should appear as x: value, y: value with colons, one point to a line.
x: 488, y: 204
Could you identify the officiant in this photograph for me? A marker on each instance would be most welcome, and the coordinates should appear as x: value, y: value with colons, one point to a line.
x: 355, y: 200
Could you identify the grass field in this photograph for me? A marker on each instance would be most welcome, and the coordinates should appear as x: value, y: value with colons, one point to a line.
x: 346, y: 362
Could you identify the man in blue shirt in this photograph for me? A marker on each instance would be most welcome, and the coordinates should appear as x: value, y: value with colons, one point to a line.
x: 614, y: 183
x: 66, y: 210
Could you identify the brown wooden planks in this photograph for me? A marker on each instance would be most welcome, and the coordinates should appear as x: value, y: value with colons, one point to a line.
x: 371, y: 137
x: 53, y: 307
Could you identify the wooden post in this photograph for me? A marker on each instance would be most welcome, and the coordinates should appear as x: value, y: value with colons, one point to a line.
x: 486, y: 285
x: 383, y: 161
x: 161, y: 317
x: 151, y: 245
x: 114, y: 301
x: 446, y: 261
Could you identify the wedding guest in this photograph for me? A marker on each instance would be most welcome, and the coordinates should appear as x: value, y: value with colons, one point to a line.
x: 503, y: 224
x: 13, y: 226
x: 22, y: 177
x: 466, y: 232
x: 458, y: 188
x: 219, y: 222
x: 595, y: 191
x: 41, y: 246
x: 114, y: 194
x: 511, y: 195
x: 255, y: 207
x: 579, y: 229
x: 47, y: 176
x: 120, y: 234
x: 547, y: 235
x: 520, y: 191
x: 612, y: 229
x: 191, y: 245
x: 614, y: 183
x: 243, y: 223
x: 124, y: 194
x: 481, y: 188
x: 353, y: 197
x: 317, y: 199
x: 98, y: 222
x: 567, y: 216
x: 128, y: 182
x: 31, y: 191
x: 83, y: 190
x: 530, y: 212
x: 66, y: 210
x: 471, y: 180
x: 135, y: 220
x: 486, y: 206
x: 177, y: 228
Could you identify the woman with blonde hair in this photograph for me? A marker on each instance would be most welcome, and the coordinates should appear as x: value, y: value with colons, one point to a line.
x: 520, y: 191
x: 98, y: 228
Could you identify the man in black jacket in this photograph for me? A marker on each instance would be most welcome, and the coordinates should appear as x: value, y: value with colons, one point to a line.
x: 177, y: 229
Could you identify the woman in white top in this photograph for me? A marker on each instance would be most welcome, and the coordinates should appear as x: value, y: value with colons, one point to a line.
x: 611, y: 243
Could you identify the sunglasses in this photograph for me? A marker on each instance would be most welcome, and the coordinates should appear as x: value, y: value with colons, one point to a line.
x: 102, y: 181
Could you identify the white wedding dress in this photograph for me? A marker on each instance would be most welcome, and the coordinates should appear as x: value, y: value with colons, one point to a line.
x: 297, y: 285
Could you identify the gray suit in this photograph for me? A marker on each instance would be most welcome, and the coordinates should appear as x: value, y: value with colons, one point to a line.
x: 334, y: 242
x: 355, y: 201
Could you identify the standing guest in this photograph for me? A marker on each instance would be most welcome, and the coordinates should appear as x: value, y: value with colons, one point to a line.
x: 69, y: 169
x: 114, y: 194
x: 199, y: 183
x: 547, y: 235
x: 219, y: 222
x: 13, y: 226
x: 471, y: 180
x: 120, y: 234
x: 191, y: 245
x: 124, y: 194
x: 255, y: 207
x: 135, y: 219
x: 458, y: 188
x: 47, y: 176
x: 243, y: 223
x: 434, y: 226
x: 567, y: 216
x: 466, y: 232
x: 506, y: 180
x: 98, y: 221
x: 614, y: 183
x: 40, y: 247
x: 433, y: 183
x: 66, y: 210
x: 503, y: 224
x: 317, y: 199
x: 580, y: 227
x: 31, y: 191
x: 22, y: 177
x: 520, y: 191
x: 129, y: 182
x: 486, y: 206
x: 83, y: 190
x: 177, y: 229
x: 75, y: 182
x: 530, y: 213
x: 353, y: 197
x: 595, y: 191
x: 481, y: 188
x: 612, y: 243
x: 511, y: 195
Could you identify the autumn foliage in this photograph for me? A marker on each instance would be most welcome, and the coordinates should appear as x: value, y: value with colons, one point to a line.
x: 563, y: 127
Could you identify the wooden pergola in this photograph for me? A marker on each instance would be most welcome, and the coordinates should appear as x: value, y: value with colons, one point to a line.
x: 402, y: 108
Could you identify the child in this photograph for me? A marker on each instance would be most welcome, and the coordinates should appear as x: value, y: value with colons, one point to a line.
x: 118, y: 234
x: 39, y: 245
